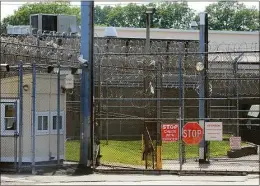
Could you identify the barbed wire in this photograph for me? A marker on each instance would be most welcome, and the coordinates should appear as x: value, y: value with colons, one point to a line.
x: 136, y: 72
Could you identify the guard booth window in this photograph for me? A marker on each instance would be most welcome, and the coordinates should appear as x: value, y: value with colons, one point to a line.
x: 10, y: 117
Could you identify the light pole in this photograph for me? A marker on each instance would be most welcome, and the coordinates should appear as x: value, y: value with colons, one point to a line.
x: 149, y: 11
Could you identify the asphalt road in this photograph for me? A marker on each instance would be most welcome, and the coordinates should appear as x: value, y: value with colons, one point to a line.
x: 98, y: 179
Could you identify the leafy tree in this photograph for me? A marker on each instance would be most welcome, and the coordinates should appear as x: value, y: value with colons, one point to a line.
x: 174, y: 15
x: 228, y: 15
x: 101, y: 14
x: 130, y: 15
x: 231, y: 15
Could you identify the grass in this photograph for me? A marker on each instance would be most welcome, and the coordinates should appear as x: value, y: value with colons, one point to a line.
x: 130, y: 152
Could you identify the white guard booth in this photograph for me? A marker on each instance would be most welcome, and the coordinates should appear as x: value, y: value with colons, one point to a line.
x: 45, y: 125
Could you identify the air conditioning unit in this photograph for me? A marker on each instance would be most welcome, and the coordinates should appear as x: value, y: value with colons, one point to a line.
x: 53, y: 22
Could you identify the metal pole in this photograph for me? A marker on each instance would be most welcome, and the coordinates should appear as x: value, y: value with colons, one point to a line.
x: 15, y: 139
x: 158, y: 107
x: 86, y: 50
x: 202, y: 88
x: 237, y: 101
x: 100, y: 123
x: 148, y: 25
x: 147, y: 49
x: 106, y: 114
x: 33, y: 116
x: 180, y: 109
x: 58, y: 116
x: 20, y: 114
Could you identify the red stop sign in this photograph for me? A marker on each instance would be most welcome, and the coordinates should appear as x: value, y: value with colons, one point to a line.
x: 192, y: 133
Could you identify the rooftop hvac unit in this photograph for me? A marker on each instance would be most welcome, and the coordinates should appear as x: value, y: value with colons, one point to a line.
x: 53, y: 22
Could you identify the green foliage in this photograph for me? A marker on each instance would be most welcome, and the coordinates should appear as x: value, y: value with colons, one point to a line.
x: 174, y: 15
x: 228, y: 15
x: 22, y: 15
x: 231, y: 15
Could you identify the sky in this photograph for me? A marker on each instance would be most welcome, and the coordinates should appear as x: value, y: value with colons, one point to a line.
x: 8, y: 8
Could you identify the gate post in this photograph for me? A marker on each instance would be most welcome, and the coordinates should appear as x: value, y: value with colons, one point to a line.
x: 203, y: 84
x: 181, y: 107
x: 86, y: 92
x: 20, y: 114
x: 58, y: 115
x: 33, y: 116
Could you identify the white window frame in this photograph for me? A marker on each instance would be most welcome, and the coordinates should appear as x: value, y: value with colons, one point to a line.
x: 42, y: 132
x: 62, y: 114
x: 9, y: 102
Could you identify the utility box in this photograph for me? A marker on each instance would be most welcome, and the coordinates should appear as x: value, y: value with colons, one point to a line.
x: 53, y: 22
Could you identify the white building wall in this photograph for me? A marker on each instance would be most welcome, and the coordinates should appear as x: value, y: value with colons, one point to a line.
x: 227, y: 37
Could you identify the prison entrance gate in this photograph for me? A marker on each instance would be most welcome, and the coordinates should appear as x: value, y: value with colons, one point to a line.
x: 137, y: 93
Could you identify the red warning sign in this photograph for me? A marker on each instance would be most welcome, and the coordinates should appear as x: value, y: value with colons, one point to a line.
x: 170, y: 132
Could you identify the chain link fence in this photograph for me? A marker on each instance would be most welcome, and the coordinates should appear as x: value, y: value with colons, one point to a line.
x: 135, y: 93
x: 44, y: 109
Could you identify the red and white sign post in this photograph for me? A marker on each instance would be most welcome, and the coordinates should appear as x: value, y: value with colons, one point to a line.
x: 170, y: 132
x: 192, y: 133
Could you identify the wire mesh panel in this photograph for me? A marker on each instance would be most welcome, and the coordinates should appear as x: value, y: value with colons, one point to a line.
x: 136, y: 93
x: 233, y: 90
x: 73, y: 122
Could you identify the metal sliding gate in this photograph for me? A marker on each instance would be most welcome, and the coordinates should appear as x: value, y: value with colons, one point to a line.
x: 136, y: 93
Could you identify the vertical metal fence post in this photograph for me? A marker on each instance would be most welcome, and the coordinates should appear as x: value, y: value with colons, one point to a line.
x: 107, y: 138
x: 20, y: 115
x: 237, y: 101
x: 180, y: 108
x: 158, y: 108
x: 203, y: 86
x: 15, y: 137
x: 33, y: 115
x: 87, y: 10
x: 58, y: 121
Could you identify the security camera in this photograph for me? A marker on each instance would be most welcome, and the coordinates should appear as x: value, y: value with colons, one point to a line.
x: 82, y: 60
x: 5, y: 67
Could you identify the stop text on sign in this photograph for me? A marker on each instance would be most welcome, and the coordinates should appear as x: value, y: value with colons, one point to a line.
x: 170, y: 132
x: 192, y: 133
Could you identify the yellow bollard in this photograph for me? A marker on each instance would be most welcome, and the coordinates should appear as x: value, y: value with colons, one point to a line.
x: 159, y: 158
x: 142, y: 147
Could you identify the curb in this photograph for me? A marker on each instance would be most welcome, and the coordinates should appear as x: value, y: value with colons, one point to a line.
x: 172, y: 172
